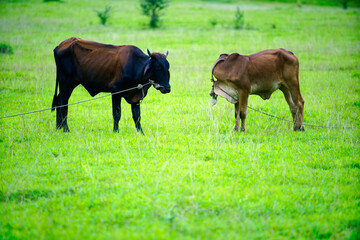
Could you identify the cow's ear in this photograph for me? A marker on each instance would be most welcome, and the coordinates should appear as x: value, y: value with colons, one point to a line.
x: 149, y: 53
x: 147, y: 68
x: 167, y: 53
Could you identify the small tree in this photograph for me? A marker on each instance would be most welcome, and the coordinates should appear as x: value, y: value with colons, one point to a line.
x: 239, y: 19
x: 104, y: 15
x: 298, y: 3
x: 152, y: 8
x: 6, y: 48
x: 344, y: 3
x: 213, y: 22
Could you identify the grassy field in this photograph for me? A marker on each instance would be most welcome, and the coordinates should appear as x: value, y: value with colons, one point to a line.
x: 191, y: 176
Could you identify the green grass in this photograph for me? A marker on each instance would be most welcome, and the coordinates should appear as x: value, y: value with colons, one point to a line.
x: 191, y: 176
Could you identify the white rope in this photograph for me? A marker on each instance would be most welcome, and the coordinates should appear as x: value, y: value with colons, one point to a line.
x: 305, y: 124
x: 140, y: 86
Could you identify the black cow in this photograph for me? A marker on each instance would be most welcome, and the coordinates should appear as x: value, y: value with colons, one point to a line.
x: 107, y: 68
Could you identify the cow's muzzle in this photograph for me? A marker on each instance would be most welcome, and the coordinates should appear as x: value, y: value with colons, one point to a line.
x: 161, y: 88
x: 165, y: 90
x: 214, y: 96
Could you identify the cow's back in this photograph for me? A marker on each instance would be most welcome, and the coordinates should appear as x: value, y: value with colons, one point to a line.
x: 96, y: 66
x: 68, y: 43
x: 272, y: 58
x: 231, y: 67
x: 64, y: 45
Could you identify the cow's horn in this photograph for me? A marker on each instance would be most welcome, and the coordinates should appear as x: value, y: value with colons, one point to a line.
x: 167, y: 53
x: 149, y: 52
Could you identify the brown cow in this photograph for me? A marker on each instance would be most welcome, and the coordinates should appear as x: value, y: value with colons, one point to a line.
x: 261, y: 74
x: 107, y: 68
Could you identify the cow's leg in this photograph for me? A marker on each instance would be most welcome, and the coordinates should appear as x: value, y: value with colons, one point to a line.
x: 237, y: 116
x: 299, y: 117
x: 116, y: 106
x: 62, y: 112
x: 296, y: 104
x: 289, y: 101
x: 58, y: 119
x: 240, y: 110
x: 135, y: 108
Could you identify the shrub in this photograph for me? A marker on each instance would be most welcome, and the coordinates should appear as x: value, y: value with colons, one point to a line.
x: 152, y: 9
x: 344, y: 3
x: 299, y: 4
x: 213, y: 22
x: 104, y: 15
x: 6, y: 48
x: 239, y: 19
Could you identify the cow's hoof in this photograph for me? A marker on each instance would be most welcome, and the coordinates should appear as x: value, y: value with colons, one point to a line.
x: 301, y: 128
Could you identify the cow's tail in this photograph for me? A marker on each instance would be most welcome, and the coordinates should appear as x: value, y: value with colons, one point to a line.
x: 55, y: 99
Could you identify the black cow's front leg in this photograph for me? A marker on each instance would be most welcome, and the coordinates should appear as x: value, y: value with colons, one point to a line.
x: 135, y: 108
x: 116, y: 105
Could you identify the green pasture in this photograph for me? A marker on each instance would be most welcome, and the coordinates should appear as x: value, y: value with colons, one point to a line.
x: 191, y: 176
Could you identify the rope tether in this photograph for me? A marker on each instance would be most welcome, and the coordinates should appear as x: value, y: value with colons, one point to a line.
x: 140, y: 86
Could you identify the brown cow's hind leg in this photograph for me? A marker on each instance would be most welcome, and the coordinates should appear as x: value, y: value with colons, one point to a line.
x: 299, y: 122
x: 289, y: 101
x: 299, y: 103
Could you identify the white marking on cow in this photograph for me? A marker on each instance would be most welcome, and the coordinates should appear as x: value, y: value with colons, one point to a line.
x: 225, y: 91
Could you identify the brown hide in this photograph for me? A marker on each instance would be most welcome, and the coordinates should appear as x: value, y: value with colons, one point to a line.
x: 99, y: 66
x: 238, y: 76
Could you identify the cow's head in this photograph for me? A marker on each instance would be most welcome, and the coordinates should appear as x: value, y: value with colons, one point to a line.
x: 158, y: 70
